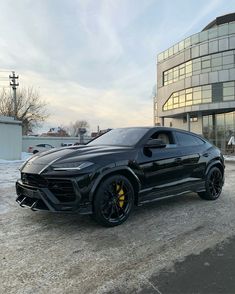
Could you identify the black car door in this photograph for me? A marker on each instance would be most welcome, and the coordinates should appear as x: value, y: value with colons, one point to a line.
x: 161, y: 168
x: 193, y: 163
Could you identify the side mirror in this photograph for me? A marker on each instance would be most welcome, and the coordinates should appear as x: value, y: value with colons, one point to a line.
x: 155, y: 143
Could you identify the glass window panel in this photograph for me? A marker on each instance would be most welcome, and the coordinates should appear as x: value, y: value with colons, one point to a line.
x: 206, y: 93
x: 228, y: 98
x: 228, y: 91
x: 189, y: 68
x: 171, y: 51
x: 182, y: 71
x: 231, y: 42
x: 216, y: 61
x: 228, y: 84
x: 196, y: 65
x: 213, y: 33
x: 160, y: 57
x: 196, y: 89
x: 195, y: 51
x: 228, y: 59
x: 203, y: 36
x: 188, y: 103
x: 197, y: 95
x: 188, y: 90
x: 223, y: 30
x: 231, y: 29
x: 181, y: 45
x: 176, y: 48
x: 165, y: 54
x: 187, y: 42
x: 176, y: 73
x: 213, y: 46
x: 223, y: 44
x: 176, y: 99
x: 228, y: 66
x: 219, y: 119
x: 207, y: 87
x: 195, y: 39
x: 207, y: 100
x: 206, y: 64
x: 189, y: 97
x: 182, y: 98
x: 204, y: 49
x: 229, y: 119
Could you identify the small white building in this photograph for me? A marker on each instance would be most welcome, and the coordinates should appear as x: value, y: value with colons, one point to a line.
x: 10, y: 138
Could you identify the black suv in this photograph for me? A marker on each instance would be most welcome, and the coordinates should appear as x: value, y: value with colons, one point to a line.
x: 120, y: 169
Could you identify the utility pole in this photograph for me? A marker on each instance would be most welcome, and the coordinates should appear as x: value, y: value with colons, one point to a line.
x: 13, y: 78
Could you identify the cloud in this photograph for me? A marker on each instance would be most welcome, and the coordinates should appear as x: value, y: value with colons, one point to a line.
x: 96, y: 60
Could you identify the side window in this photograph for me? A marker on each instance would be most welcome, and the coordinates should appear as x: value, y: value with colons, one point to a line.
x: 165, y: 136
x: 188, y: 140
x: 40, y: 145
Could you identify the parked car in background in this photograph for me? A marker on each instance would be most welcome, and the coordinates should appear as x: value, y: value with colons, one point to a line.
x: 66, y: 144
x: 120, y: 169
x: 39, y: 148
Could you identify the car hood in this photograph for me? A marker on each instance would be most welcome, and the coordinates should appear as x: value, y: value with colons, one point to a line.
x: 100, y: 155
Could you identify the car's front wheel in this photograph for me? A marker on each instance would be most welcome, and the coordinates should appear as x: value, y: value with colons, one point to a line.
x: 213, y: 185
x: 114, y: 200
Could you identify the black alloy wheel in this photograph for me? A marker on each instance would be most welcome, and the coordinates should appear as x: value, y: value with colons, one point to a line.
x: 214, y: 184
x: 113, y: 201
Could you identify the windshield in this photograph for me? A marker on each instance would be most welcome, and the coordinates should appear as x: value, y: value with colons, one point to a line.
x: 120, y: 137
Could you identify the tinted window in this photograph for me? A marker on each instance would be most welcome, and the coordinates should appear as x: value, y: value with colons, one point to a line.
x: 121, y: 137
x: 188, y: 140
x: 40, y: 145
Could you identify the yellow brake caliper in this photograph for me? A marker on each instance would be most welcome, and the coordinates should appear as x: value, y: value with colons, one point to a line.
x: 121, y: 197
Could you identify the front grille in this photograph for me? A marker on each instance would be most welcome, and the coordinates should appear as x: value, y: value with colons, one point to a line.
x: 62, y: 189
x: 34, y: 180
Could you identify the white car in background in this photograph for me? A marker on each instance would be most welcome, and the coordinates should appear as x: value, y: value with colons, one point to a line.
x: 39, y: 148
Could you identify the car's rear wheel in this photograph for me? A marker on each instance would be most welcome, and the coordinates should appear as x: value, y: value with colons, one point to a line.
x: 113, y: 202
x: 213, y: 185
x: 35, y: 151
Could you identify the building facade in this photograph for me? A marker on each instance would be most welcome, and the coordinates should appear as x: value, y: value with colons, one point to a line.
x: 196, y: 83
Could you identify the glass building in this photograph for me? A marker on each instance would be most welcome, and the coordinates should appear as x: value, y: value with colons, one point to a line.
x: 196, y: 83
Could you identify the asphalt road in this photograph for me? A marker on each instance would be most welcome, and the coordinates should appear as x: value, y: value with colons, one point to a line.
x: 166, y: 247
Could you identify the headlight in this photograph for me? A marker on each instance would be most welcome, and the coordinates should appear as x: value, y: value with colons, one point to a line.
x: 72, y: 166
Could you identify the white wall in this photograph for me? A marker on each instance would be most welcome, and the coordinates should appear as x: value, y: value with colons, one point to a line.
x: 54, y: 141
x: 10, y: 138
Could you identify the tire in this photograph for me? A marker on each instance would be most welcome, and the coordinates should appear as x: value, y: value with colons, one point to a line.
x: 35, y: 151
x: 213, y: 185
x: 113, y: 201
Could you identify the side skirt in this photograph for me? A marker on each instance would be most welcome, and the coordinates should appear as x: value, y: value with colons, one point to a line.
x: 156, y: 194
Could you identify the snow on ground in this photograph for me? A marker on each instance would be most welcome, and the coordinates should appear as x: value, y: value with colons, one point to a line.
x: 9, y: 170
x: 229, y: 157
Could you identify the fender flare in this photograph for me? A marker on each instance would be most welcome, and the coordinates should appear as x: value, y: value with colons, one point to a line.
x: 110, y: 171
x: 213, y: 163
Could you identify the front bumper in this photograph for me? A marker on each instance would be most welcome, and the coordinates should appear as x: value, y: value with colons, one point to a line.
x: 43, y: 198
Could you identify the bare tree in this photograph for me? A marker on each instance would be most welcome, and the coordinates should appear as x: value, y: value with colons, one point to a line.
x: 30, y: 108
x: 77, y: 128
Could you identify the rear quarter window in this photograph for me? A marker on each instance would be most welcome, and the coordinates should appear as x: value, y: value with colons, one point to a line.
x: 188, y: 139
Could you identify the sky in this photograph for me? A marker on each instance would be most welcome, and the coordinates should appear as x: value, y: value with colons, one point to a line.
x: 95, y: 60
